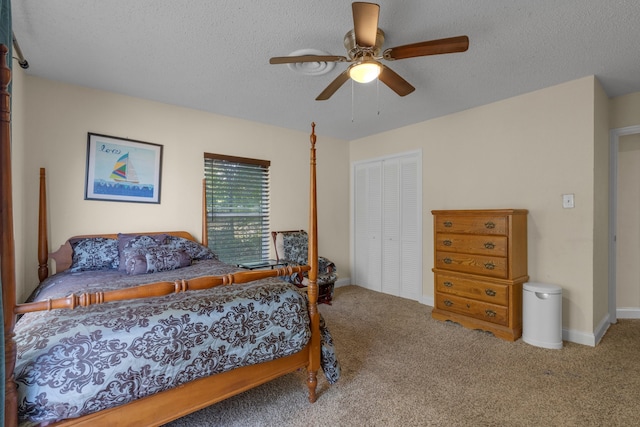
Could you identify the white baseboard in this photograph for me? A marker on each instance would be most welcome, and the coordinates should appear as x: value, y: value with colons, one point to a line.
x: 428, y: 300
x: 593, y: 339
x: 343, y: 282
x: 586, y: 338
x: 628, y: 313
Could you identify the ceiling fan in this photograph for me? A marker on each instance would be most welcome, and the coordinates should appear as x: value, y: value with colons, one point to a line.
x: 364, y: 44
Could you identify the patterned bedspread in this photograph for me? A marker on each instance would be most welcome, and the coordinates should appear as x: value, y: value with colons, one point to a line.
x: 75, y: 362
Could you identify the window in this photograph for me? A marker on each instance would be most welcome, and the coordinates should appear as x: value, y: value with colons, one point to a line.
x: 237, y: 195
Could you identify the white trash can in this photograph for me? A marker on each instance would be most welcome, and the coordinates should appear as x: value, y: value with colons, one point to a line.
x: 542, y: 315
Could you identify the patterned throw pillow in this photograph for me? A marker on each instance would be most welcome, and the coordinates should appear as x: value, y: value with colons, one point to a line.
x: 139, y: 242
x: 135, y: 262
x: 165, y: 258
x: 94, y: 253
x: 195, y: 250
x: 296, y: 246
x: 154, y: 259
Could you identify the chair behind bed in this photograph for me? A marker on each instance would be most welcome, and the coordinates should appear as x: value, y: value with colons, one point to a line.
x: 291, y: 248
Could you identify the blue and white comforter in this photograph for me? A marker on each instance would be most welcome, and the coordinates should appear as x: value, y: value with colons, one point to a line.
x: 74, y: 362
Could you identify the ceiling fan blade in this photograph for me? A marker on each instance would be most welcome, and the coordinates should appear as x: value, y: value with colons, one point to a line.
x: 306, y: 58
x: 365, y: 23
x: 334, y: 86
x: 432, y: 47
x: 394, y: 81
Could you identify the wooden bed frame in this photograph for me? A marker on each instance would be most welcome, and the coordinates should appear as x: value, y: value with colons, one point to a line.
x: 169, y: 405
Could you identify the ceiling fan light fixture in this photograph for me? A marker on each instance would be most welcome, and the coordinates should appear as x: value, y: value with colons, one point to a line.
x: 364, y: 53
x: 365, y: 72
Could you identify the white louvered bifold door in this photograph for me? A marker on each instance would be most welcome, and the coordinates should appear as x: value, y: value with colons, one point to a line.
x: 391, y: 226
x: 411, y: 229
x: 368, y: 197
x: 388, y: 232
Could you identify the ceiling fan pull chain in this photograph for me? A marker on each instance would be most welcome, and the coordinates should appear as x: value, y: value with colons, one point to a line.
x: 352, y: 97
x: 378, y: 95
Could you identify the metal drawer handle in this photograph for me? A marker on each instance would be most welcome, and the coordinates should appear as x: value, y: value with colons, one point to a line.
x: 490, y: 313
x: 489, y: 245
x: 448, y: 303
x: 490, y: 292
x: 447, y: 242
x: 489, y: 265
x: 448, y: 224
x: 448, y: 284
x: 490, y: 224
x: 447, y: 260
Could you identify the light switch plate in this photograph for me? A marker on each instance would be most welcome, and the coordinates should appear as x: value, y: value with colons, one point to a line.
x: 567, y: 201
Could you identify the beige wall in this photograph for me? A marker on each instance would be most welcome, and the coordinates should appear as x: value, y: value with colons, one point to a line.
x: 58, y: 117
x: 624, y: 111
x: 523, y: 152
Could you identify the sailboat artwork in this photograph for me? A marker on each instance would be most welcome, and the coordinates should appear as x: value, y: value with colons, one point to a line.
x: 111, y: 170
x: 123, y: 171
x: 123, y: 181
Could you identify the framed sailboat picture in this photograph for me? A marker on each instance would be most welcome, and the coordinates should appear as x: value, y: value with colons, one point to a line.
x: 122, y: 170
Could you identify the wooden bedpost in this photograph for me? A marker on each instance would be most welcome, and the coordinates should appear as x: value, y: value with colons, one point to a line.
x: 7, y: 248
x: 43, y: 240
x: 205, y: 233
x: 312, y: 289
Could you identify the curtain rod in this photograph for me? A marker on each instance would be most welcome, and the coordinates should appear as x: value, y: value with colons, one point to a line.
x: 23, y: 62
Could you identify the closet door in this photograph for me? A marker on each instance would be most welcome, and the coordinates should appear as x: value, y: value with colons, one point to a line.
x: 411, y: 228
x: 387, y: 226
x: 367, y: 242
x: 391, y: 228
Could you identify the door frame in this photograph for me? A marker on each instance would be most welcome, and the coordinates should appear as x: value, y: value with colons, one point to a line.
x: 614, y: 141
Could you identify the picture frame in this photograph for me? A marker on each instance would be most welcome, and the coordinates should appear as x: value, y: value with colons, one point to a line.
x: 122, y: 170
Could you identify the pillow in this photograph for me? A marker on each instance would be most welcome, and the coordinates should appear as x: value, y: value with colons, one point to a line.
x: 295, y: 246
x: 292, y: 246
x: 94, y: 253
x: 195, y: 250
x: 165, y: 258
x: 154, y: 259
x: 137, y: 241
x: 135, y: 262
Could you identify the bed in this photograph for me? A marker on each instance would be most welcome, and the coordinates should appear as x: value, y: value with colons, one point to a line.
x: 143, y: 328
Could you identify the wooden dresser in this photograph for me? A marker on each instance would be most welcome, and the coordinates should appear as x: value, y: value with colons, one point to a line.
x: 480, y: 265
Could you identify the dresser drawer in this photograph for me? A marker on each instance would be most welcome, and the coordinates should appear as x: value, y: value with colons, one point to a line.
x: 471, y: 224
x: 473, y: 244
x: 483, y: 291
x: 477, y: 309
x: 473, y: 264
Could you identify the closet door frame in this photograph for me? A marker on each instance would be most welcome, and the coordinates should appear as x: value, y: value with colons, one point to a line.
x: 614, y: 141
x: 417, y: 155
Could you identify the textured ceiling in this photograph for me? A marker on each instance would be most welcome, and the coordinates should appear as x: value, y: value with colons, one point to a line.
x: 214, y: 55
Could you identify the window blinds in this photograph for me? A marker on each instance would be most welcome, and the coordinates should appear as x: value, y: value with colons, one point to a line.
x: 237, y: 201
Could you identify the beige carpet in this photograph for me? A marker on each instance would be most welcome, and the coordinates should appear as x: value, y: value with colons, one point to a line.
x: 402, y: 368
